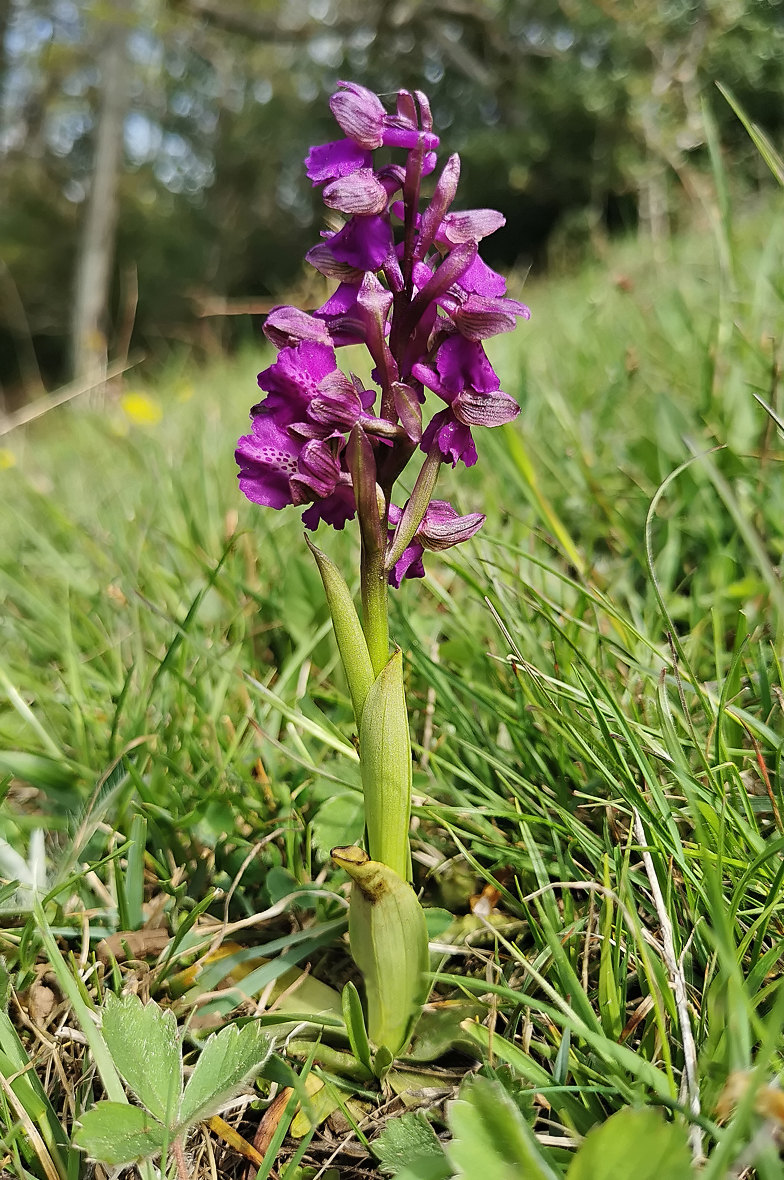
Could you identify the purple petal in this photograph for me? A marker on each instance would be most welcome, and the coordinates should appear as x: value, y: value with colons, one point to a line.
x: 267, y: 459
x: 358, y: 193
x: 366, y: 396
x: 287, y: 326
x: 364, y: 242
x: 432, y: 381
x: 446, y: 275
x: 336, y: 509
x: 323, y: 260
x: 442, y: 528
x: 342, y: 316
x: 328, y: 161
x: 410, y: 565
x: 421, y: 275
x: 462, y: 364
x: 453, y: 438
x: 343, y: 302
x: 469, y: 225
x: 485, y: 409
x: 293, y: 380
x: 346, y: 330
x: 480, y: 279
x: 360, y: 114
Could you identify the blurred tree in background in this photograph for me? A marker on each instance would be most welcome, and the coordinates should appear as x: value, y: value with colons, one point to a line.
x: 151, y: 150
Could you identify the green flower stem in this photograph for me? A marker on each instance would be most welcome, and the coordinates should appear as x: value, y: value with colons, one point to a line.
x: 375, y: 618
x: 372, y: 513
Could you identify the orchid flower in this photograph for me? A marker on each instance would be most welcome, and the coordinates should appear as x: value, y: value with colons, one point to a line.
x: 417, y: 295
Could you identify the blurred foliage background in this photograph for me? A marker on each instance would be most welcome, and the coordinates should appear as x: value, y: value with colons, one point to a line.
x: 579, y: 119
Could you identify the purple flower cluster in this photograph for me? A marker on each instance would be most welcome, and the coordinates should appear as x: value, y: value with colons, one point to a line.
x: 413, y: 289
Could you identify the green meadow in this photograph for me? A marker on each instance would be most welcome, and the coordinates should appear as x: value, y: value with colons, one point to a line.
x: 596, y: 712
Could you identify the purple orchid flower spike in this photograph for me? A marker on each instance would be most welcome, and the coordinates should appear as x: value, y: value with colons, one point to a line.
x: 413, y: 290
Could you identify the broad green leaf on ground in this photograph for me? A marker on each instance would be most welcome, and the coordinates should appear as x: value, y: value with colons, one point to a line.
x: 280, y: 883
x: 145, y: 1047
x: 438, y: 920
x: 355, y: 1025
x: 634, y: 1143
x: 340, y: 821
x: 229, y: 1059
x: 490, y: 1138
x: 427, y: 1167
x: 408, y: 1143
x: 118, y: 1133
x: 440, y: 1029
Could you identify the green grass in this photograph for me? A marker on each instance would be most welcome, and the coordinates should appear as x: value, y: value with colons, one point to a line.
x: 589, y: 664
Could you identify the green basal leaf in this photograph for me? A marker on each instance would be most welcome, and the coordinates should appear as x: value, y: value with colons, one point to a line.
x: 350, y: 637
x: 145, y: 1047
x: 408, y: 1142
x: 490, y: 1137
x: 355, y: 1025
x: 382, y: 1062
x: 388, y: 940
x: 116, y: 1133
x: 228, y: 1061
x: 609, y: 997
x: 385, y: 762
x: 636, y: 1143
